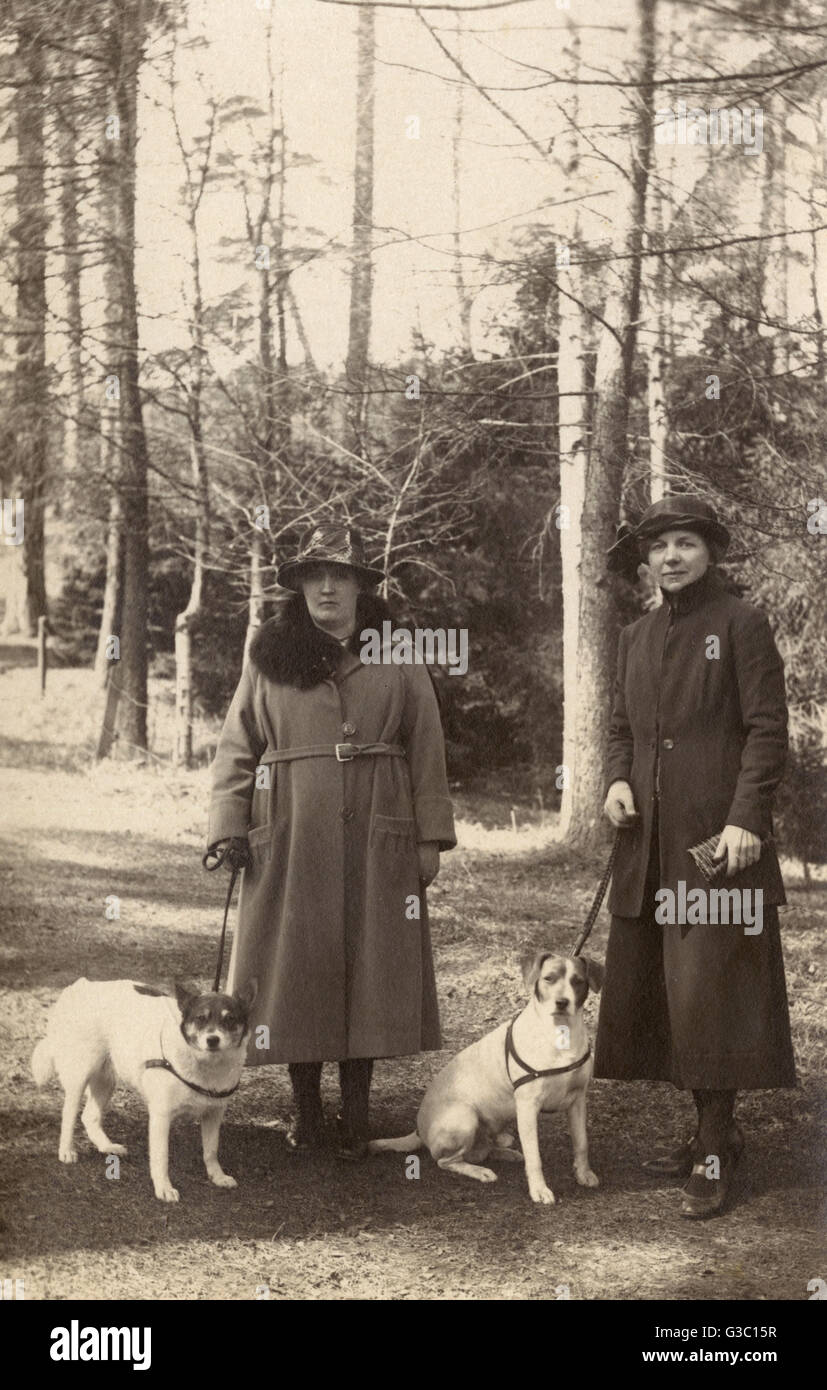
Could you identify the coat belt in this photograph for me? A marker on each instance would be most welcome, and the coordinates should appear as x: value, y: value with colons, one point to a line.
x: 342, y: 752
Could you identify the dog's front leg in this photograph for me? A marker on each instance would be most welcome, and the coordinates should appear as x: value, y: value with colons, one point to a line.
x: 210, y: 1127
x: 528, y: 1112
x: 580, y: 1142
x: 159, y: 1123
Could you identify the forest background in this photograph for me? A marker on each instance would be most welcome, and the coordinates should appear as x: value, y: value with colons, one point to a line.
x: 456, y: 273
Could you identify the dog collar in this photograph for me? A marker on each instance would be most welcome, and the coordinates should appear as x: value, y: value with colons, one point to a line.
x: 202, y: 1090
x: 532, y: 1073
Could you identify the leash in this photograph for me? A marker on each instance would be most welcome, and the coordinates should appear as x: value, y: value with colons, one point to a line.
x: 213, y: 859
x: 598, y: 898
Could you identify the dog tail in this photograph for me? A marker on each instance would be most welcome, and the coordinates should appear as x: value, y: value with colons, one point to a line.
x: 43, y: 1062
x: 406, y: 1144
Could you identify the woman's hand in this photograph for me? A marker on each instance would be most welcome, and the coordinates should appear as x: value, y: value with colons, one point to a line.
x: 428, y: 852
x: 741, y: 848
x: 620, y: 805
x: 237, y: 855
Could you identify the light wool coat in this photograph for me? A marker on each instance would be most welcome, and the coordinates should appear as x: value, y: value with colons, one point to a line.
x: 332, y: 918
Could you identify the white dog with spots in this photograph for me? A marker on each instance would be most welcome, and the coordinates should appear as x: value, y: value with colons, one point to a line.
x: 182, y: 1055
x: 540, y: 1061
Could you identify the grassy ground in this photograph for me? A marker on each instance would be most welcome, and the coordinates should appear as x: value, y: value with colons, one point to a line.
x: 311, y: 1228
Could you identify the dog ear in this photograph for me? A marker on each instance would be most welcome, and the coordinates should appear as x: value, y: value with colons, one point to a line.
x: 594, y: 973
x: 184, y: 994
x: 247, y: 995
x: 531, y: 967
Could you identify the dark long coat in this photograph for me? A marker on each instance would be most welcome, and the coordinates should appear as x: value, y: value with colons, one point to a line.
x: 332, y: 918
x: 699, y: 730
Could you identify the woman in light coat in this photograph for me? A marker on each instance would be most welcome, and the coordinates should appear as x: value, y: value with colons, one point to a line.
x: 330, y: 773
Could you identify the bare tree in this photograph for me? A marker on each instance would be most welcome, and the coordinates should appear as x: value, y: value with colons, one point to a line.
x: 606, y: 461
x: 125, y: 38
x: 573, y: 426
x: 361, y: 275
x: 25, y: 564
x: 196, y: 163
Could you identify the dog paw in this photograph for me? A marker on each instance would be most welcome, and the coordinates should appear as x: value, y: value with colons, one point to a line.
x: 165, y: 1192
x: 115, y: 1151
x: 540, y: 1193
x: 223, y: 1180
x: 486, y: 1175
x: 587, y: 1178
x: 68, y: 1155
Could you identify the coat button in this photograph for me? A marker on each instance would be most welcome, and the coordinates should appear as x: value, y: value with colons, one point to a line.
x: 668, y: 743
x: 348, y: 730
x: 346, y: 813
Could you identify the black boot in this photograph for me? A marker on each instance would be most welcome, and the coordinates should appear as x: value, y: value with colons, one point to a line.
x: 675, y: 1164
x: 354, y: 1080
x: 306, y: 1129
x: 719, y: 1137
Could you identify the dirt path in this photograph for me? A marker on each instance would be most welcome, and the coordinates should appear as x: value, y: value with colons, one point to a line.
x: 311, y: 1228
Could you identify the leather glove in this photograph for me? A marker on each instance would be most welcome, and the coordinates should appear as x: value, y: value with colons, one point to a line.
x: 233, y: 853
x: 428, y: 853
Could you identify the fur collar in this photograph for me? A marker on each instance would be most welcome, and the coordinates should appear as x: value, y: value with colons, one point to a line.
x: 290, y: 650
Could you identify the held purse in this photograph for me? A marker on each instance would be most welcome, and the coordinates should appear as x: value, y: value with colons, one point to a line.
x: 714, y: 870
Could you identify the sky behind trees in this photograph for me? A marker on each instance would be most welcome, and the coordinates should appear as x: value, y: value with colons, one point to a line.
x: 505, y: 184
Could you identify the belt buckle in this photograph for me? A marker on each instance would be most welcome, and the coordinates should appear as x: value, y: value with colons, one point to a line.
x: 345, y: 757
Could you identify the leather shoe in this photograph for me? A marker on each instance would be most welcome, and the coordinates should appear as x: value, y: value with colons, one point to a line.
x: 351, y: 1144
x: 677, y: 1164
x: 303, y: 1136
x: 704, y: 1196
x: 352, y: 1150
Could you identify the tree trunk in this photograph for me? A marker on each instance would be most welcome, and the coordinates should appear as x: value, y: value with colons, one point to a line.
x: 298, y: 322
x: 273, y: 385
x: 25, y: 564
x: 573, y: 434
x: 658, y: 314
x: 72, y: 260
x: 464, y: 301
x: 111, y: 613
x: 361, y: 276
x: 185, y: 620
x: 130, y: 673
x: 774, y: 254
x: 597, y: 635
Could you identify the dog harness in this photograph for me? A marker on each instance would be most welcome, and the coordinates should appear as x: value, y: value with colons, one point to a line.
x: 532, y: 1074
x: 202, y: 1090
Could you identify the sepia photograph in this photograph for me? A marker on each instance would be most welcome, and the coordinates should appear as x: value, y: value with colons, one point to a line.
x: 413, y: 677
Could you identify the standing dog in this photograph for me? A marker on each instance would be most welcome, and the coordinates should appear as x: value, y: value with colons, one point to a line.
x: 184, y: 1059
x: 540, y: 1061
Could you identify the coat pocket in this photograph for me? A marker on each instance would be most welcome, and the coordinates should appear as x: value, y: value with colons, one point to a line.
x: 396, y: 834
x: 260, y: 840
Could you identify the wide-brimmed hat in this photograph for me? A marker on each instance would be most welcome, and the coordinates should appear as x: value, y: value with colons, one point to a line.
x: 676, y: 512
x: 329, y: 545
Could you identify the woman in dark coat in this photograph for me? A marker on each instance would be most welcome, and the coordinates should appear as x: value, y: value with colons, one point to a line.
x: 697, y: 749
x: 329, y: 782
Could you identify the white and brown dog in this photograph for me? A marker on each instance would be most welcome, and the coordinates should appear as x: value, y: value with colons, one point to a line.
x: 183, y: 1057
x: 540, y: 1061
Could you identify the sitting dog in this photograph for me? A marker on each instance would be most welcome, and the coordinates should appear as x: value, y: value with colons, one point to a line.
x: 540, y: 1061
x: 184, y: 1059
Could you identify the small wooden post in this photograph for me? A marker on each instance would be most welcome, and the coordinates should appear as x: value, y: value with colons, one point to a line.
x: 41, y: 654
